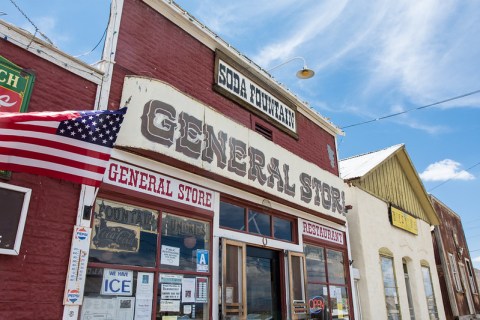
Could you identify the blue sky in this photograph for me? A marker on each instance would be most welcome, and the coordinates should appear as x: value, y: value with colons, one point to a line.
x: 371, y: 59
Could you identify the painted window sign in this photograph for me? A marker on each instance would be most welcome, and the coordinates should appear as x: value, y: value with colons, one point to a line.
x: 15, y: 87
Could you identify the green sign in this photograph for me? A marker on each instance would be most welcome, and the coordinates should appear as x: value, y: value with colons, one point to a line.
x: 15, y: 87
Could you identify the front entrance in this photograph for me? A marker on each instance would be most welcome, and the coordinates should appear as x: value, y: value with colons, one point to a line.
x: 263, y: 284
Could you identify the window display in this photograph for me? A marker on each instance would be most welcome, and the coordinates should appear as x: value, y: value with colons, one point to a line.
x: 123, y: 234
x: 327, y: 284
x: 133, y: 248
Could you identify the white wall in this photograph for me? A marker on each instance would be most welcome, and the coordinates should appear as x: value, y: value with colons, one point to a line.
x: 370, y: 230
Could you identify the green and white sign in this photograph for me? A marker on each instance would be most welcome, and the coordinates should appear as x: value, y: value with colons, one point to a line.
x: 15, y: 87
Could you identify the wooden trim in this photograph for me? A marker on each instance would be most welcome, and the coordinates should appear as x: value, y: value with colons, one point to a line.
x: 297, y: 307
x: 237, y: 308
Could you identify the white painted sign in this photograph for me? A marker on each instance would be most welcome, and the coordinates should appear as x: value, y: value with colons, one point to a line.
x: 318, y: 231
x: 234, y: 82
x: 166, y: 121
x: 117, y: 282
x: 77, y: 266
x: 170, y: 256
x: 171, y: 291
x: 133, y: 178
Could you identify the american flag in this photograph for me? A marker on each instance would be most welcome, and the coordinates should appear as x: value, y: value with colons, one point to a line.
x: 69, y: 145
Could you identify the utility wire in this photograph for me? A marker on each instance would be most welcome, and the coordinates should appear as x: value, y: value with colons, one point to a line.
x: 438, y: 185
x: 95, y: 47
x: 408, y: 110
x: 31, y: 22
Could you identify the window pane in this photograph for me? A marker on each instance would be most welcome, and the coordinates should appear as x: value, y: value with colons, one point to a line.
x: 123, y: 234
x: 339, y: 302
x: 282, y: 229
x: 259, y: 223
x: 182, y: 297
x: 181, y: 238
x: 427, y: 283
x: 318, y: 306
x: 110, y: 292
x: 232, y: 216
x: 391, y: 296
x: 336, y: 267
x: 315, y: 264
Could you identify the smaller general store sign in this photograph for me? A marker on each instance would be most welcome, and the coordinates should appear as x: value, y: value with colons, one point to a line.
x: 403, y: 220
x: 15, y: 87
x: 152, y: 183
x: 233, y: 83
x: 318, y: 231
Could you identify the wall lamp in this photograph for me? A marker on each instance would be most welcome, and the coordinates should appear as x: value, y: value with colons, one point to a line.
x: 304, y: 73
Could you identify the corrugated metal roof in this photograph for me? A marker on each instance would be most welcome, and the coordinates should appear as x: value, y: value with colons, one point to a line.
x: 360, y: 165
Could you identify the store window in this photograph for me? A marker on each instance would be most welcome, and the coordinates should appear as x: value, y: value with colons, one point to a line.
x: 427, y: 284
x: 143, y: 262
x: 327, y: 290
x: 390, y: 288
x: 256, y: 222
x: 409, y: 290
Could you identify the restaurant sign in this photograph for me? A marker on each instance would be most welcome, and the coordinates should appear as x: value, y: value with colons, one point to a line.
x: 176, y: 125
x: 15, y: 87
x: 318, y: 231
x: 403, y: 220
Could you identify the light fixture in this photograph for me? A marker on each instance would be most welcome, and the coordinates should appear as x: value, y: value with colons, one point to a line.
x: 304, y: 73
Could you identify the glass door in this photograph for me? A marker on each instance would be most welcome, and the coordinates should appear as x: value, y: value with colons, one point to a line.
x: 263, y: 284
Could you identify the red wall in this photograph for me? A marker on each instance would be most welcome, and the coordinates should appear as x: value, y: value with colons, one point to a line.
x: 152, y: 46
x: 32, y: 283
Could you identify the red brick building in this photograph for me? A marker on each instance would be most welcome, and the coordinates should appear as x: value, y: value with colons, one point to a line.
x: 222, y: 199
x: 32, y: 283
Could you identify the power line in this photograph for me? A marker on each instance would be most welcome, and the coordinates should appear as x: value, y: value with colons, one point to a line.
x: 31, y: 22
x: 95, y: 47
x: 408, y: 110
x: 438, y: 185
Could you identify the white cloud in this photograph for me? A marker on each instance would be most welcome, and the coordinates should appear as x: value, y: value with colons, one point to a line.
x: 48, y: 26
x: 445, y: 170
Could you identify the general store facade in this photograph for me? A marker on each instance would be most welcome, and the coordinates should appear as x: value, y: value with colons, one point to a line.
x: 222, y: 199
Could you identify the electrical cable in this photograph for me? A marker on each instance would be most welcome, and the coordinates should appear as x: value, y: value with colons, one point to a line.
x: 31, y: 22
x: 95, y: 47
x: 412, y: 109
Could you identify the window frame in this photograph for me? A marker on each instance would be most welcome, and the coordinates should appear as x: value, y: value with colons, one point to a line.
x: 134, y: 199
x: 309, y: 241
x: 248, y: 207
x: 15, y: 250
x: 471, y: 277
x: 391, y: 258
x: 426, y: 267
x: 452, y: 261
